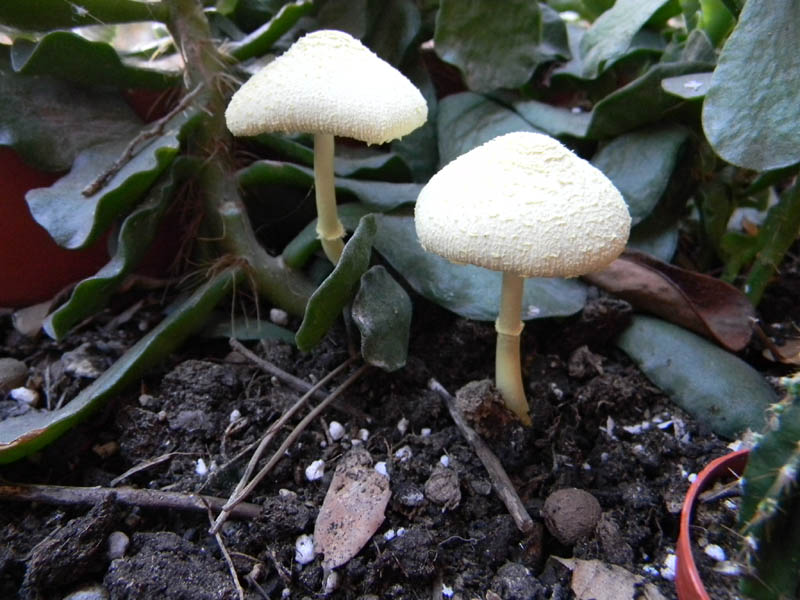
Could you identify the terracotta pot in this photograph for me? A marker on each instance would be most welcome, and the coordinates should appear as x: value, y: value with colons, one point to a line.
x: 687, y: 579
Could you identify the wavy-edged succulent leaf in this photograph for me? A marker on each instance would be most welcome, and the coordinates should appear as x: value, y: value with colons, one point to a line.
x: 261, y: 40
x: 133, y: 241
x: 394, y: 26
x: 74, y: 220
x: 48, y: 121
x: 378, y: 195
x: 297, y: 252
x: 716, y: 387
x: 469, y: 291
x: 382, y: 313
x: 554, y: 120
x: 494, y: 45
x: 751, y: 116
x: 333, y: 294
x: 613, y: 31
x: 20, y: 436
x: 640, y: 165
x: 41, y: 15
x: 382, y: 166
x: 68, y: 56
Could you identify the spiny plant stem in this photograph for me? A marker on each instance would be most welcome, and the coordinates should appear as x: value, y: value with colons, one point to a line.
x: 226, y: 217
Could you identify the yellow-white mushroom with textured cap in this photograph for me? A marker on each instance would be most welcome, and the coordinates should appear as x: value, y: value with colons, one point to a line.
x: 525, y: 205
x: 328, y: 83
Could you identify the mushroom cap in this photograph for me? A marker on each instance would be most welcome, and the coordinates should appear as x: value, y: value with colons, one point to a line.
x: 523, y: 203
x: 328, y: 82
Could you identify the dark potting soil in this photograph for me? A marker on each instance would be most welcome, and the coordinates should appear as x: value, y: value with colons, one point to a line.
x: 599, y: 426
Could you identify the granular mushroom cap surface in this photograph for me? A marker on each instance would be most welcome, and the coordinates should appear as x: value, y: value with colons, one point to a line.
x: 328, y: 82
x: 523, y: 203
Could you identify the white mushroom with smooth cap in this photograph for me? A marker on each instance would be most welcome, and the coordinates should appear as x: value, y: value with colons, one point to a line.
x: 328, y: 83
x: 525, y: 205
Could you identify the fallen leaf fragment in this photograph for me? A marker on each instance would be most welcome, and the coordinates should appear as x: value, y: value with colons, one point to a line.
x: 700, y: 303
x: 597, y: 580
x: 353, y: 509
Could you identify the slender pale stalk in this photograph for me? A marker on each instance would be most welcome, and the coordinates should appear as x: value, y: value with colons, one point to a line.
x: 329, y: 228
x: 508, y: 375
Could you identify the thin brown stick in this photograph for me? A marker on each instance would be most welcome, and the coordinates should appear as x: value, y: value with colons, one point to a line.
x: 132, y: 148
x: 290, y: 439
x: 227, y: 556
x: 144, y: 498
x: 500, y: 480
x: 293, y: 382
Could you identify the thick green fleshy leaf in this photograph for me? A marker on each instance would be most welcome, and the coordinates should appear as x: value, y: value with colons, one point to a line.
x: 640, y: 165
x: 379, y: 195
x: 716, y: 387
x: 394, y: 27
x: 20, y: 436
x: 467, y: 120
x: 688, y: 87
x: 382, y: 313
x: 494, y: 45
x: 75, y: 220
x: 41, y: 15
x: 469, y: 291
x: 246, y: 328
x: 554, y: 120
x: 612, y: 33
x: 369, y: 164
x: 48, y: 121
x: 751, y: 115
x: 68, y: 56
x: 135, y: 236
x: 330, y: 298
x: 261, y: 40
x: 297, y: 252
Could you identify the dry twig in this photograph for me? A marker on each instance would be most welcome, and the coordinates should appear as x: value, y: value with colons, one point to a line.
x: 500, y: 480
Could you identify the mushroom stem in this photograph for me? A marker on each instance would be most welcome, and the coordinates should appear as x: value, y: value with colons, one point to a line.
x: 329, y: 228
x: 508, y: 376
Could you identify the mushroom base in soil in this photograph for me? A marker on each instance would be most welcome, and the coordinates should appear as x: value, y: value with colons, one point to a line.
x: 328, y: 83
x: 522, y: 204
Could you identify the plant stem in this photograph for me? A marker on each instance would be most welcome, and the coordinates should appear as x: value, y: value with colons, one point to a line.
x: 508, y: 375
x: 329, y: 228
x: 226, y: 217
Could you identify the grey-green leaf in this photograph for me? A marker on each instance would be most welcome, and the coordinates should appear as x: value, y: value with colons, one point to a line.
x: 494, y: 44
x: 48, y: 121
x: 378, y: 195
x: 261, y: 40
x: 68, y: 56
x: 75, y: 220
x: 382, y: 312
x: 716, y: 387
x: 689, y: 87
x: 611, y: 34
x: 333, y: 294
x: 41, y: 15
x: 751, y: 115
x: 469, y: 291
x: 640, y: 165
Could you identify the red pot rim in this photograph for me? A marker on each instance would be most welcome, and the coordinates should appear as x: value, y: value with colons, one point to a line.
x: 687, y: 580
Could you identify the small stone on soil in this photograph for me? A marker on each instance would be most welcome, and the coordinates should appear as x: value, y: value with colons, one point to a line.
x: 571, y: 514
x: 13, y: 373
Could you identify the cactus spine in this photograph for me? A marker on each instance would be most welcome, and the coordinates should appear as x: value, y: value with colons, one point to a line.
x: 770, y: 513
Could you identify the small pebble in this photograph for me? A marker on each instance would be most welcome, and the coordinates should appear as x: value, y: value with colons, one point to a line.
x: 571, y: 514
x: 335, y: 430
x: 315, y: 470
x: 279, y: 317
x: 25, y: 395
x: 447, y: 591
x: 90, y: 592
x: 668, y: 570
x: 403, y: 454
x: 117, y: 544
x: 402, y: 425
x: 13, y: 373
x: 380, y: 467
x: 363, y: 435
x: 235, y: 415
x: 304, y: 549
x: 715, y: 552
x: 425, y: 431
x: 389, y: 534
x: 200, y: 467
x: 331, y: 582
x: 444, y: 460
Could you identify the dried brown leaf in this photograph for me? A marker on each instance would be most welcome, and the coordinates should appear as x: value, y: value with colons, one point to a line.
x: 703, y: 304
x: 353, y: 509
